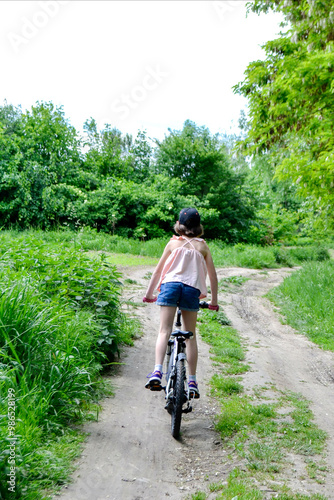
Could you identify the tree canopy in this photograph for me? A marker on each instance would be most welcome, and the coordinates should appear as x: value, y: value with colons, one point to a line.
x: 291, y: 99
x: 51, y: 177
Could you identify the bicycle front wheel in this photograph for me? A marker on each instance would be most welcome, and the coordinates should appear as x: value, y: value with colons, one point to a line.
x: 178, y: 398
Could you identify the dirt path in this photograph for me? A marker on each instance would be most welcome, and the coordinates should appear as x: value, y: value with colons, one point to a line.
x: 130, y: 454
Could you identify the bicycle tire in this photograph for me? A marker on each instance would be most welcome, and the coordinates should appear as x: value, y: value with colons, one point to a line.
x: 178, y: 398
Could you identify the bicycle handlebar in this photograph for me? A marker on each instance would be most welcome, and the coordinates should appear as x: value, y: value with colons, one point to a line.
x: 202, y: 304
x: 149, y: 300
x: 206, y: 305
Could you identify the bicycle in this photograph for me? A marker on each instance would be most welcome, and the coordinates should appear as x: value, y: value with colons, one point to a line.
x: 178, y: 396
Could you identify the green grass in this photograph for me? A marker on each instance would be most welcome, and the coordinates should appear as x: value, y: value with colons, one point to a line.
x: 317, y: 471
x: 52, y: 461
x: 306, y: 301
x: 299, y: 496
x: 239, y: 255
x: 225, y: 342
x: 242, y: 255
x: 61, y: 325
x: 262, y: 427
x: 199, y: 495
x: 239, y: 414
x: 253, y: 256
x: 300, y: 435
x: 118, y: 259
x: 90, y: 240
x: 223, y: 386
x: 239, y: 488
x: 225, y: 283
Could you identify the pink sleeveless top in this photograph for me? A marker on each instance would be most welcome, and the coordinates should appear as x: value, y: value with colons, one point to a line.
x: 186, y: 265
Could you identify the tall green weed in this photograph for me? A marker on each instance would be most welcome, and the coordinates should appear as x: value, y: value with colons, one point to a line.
x: 239, y: 255
x: 306, y: 300
x: 60, y: 322
x: 257, y: 257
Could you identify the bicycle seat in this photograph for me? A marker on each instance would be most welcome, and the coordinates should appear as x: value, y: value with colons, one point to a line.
x: 181, y: 333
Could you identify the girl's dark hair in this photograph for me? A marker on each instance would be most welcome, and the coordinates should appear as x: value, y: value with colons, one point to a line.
x: 182, y: 230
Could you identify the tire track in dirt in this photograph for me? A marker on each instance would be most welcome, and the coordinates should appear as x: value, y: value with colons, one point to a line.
x: 130, y: 453
x: 280, y: 356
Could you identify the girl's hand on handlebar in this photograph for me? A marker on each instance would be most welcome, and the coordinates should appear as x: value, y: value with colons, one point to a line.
x: 207, y: 305
x: 146, y: 299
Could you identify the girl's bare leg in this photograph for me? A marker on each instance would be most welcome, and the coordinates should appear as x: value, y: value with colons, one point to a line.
x: 167, y: 314
x: 189, y: 319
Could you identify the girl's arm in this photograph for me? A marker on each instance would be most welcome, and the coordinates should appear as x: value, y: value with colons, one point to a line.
x: 213, y: 278
x: 157, y: 273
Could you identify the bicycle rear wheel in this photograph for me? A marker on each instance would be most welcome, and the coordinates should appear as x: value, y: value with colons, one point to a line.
x: 179, y: 398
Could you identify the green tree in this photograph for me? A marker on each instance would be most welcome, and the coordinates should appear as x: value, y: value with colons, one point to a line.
x: 142, y: 153
x: 108, y: 153
x: 291, y: 100
x: 15, y: 195
x: 131, y: 209
x: 51, y: 142
x: 194, y: 156
x: 38, y: 149
x: 49, y: 177
x: 201, y: 162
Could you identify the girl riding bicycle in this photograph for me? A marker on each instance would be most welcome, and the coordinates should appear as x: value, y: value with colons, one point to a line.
x: 180, y: 276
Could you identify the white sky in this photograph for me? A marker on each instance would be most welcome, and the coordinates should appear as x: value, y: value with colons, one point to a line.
x: 133, y: 64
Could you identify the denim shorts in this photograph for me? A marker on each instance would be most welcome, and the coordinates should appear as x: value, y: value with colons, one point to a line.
x: 175, y: 294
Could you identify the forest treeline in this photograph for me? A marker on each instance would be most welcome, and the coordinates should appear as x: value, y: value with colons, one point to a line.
x: 51, y: 177
x: 133, y: 187
x: 273, y: 182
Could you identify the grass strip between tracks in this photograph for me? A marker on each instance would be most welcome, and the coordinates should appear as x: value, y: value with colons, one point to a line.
x: 269, y: 432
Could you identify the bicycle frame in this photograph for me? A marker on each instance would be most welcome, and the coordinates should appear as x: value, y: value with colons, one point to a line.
x: 176, y: 351
x: 178, y: 396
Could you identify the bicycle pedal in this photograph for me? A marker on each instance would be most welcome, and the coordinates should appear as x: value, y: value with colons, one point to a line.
x: 154, y: 386
x: 193, y: 395
x: 157, y: 388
